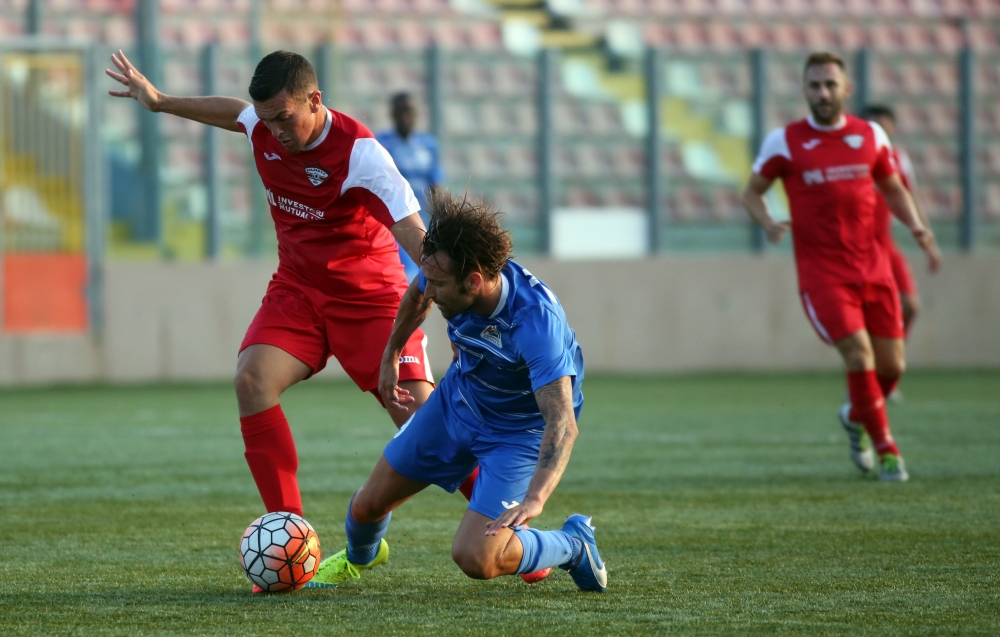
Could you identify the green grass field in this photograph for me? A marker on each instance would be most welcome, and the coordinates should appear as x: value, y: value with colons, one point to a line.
x: 724, y: 504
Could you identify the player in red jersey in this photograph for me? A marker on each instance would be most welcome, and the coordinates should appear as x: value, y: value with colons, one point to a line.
x: 337, y: 202
x: 909, y: 296
x: 832, y: 166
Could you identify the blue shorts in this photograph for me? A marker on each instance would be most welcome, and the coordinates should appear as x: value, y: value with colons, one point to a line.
x: 438, y: 447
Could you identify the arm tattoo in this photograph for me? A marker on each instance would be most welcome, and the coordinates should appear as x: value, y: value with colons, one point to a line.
x: 555, y: 401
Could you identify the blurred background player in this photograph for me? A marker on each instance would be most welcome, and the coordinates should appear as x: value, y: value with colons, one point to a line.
x: 908, y: 294
x: 830, y: 164
x: 509, y: 406
x: 417, y: 158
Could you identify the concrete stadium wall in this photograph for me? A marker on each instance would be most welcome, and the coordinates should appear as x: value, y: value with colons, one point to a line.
x: 185, y: 322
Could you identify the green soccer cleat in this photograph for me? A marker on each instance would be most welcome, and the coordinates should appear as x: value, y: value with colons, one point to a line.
x: 893, y: 469
x: 337, y: 569
x: 861, y: 451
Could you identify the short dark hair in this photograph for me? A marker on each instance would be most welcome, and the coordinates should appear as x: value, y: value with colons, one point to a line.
x: 282, y: 71
x: 469, y: 232
x: 879, y: 110
x: 398, y: 99
x: 821, y: 58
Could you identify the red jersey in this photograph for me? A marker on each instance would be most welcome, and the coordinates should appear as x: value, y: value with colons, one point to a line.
x: 883, y: 216
x: 829, y: 175
x: 333, y: 203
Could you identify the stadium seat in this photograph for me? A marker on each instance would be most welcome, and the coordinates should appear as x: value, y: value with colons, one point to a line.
x: 989, y: 201
x: 578, y: 196
x: 948, y: 38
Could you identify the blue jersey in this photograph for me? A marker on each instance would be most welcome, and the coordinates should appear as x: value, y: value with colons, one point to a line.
x: 417, y: 159
x: 503, y: 358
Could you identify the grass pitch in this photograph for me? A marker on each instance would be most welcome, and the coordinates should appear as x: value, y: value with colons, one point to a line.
x: 724, y: 504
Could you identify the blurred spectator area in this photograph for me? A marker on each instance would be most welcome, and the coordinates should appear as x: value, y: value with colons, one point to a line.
x: 489, y: 137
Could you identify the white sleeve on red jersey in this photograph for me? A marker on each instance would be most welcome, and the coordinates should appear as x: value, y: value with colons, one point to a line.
x: 372, y: 168
x: 248, y: 120
x: 884, y: 165
x: 775, y: 145
x: 906, y: 168
x: 881, y: 139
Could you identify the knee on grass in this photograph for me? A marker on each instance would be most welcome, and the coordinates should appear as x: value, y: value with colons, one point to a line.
x: 475, y: 564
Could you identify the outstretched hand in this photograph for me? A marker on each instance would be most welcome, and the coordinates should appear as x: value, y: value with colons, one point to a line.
x: 394, y: 397
x: 515, y: 516
x: 139, y: 88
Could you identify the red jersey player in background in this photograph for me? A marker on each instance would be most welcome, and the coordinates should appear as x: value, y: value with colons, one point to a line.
x: 832, y: 166
x: 909, y: 296
x: 338, y: 202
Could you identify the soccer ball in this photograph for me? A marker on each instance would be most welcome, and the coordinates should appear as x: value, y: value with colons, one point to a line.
x: 280, y: 552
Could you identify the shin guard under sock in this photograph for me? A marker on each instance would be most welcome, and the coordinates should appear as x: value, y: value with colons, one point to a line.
x: 363, y: 539
x: 270, y: 452
x: 868, y: 408
x: 544, y: 549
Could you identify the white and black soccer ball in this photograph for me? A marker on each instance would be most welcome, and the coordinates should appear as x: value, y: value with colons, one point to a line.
x: 280, y: 552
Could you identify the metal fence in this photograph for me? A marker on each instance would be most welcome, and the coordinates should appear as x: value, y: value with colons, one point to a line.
x: 668, y: 136
x: 52, y: 230
x: 543, y: 135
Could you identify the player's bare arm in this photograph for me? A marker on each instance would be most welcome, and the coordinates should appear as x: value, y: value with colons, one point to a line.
x: 409, y: 233
x: 555, y: 401
x: 221, y: 112
x: 934, y: 253
x: 756, y: 206
x: 900, y: 202
x: 413, y: 311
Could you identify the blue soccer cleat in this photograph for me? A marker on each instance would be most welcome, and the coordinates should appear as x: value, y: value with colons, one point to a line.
x: 588, y: 572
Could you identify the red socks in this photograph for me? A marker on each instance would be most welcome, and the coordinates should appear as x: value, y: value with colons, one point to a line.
x: 470, y: 482
x: 888, y: 384
x: 868, y: 408
x: 270, y: 452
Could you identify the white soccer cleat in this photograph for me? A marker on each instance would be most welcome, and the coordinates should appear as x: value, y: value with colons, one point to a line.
x: 893, y: 469
x: 862, y: 455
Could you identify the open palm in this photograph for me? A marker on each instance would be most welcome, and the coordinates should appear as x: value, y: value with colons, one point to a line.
x: 139, y: 88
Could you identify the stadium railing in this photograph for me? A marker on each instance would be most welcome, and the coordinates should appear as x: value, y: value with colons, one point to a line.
x: 52, y: 196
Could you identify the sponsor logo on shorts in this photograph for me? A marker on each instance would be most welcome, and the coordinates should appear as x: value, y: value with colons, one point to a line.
x: 492, y: 334
x: 316, y: 174
x: 510, y: 505
x: 409, y: 359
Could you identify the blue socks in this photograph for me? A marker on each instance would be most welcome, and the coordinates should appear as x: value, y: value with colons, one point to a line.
x: 543, y: 549
x: 363, y: 539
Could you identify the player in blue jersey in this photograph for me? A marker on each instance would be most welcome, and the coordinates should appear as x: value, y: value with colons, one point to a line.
x: 416, y: 157
x: 507, y: 405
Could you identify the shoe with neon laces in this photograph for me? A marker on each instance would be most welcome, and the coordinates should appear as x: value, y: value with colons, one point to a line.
x: 337, y: 569
x: 861, y: 453
x: 588, y: 571
x: 893, y: 469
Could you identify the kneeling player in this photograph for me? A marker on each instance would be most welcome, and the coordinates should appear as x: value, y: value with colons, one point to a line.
x: 508, y: 405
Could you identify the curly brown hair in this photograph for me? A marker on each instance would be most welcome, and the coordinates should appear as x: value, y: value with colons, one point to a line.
x: 469, y: 232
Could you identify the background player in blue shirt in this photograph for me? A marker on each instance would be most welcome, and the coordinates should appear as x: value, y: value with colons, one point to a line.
x: 507, y: 405
x: 416, y: 156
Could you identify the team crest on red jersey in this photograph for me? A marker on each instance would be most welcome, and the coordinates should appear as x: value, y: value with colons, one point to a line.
x: 854, y: 141
x: 492, y: 334
x: 316, y: 174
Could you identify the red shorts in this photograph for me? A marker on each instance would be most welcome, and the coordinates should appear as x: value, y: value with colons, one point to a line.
x: 901, y: 272
x: 311, y: 325
x: 837, y: 311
